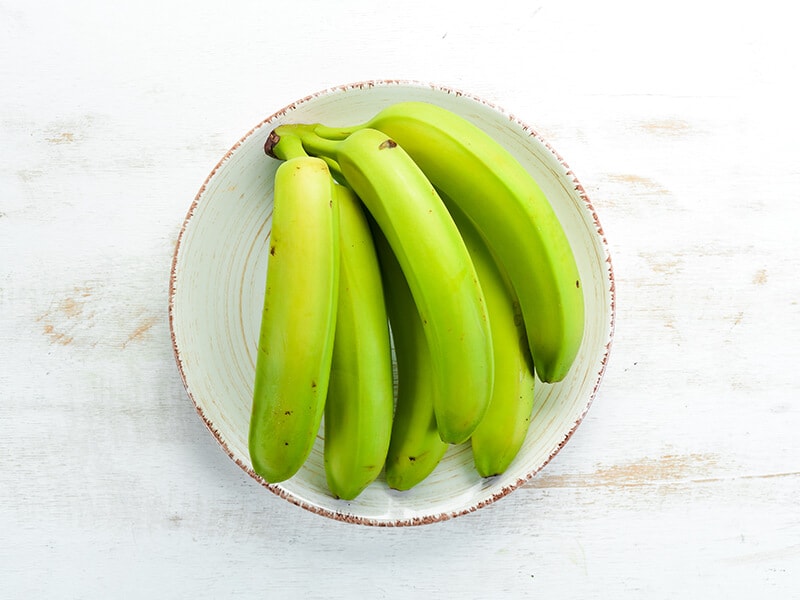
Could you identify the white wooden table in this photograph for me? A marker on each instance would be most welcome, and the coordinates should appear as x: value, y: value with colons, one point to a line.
x: 679, y: 119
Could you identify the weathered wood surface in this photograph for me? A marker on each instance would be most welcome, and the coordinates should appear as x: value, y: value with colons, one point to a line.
x: 681, y: 123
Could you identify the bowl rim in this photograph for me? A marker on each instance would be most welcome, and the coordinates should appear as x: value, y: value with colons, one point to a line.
x: 405, y: 521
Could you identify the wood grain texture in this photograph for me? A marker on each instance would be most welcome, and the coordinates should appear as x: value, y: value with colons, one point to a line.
x: 679, y: 120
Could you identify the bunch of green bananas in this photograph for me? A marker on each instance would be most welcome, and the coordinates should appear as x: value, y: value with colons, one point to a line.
x: 414, y: 235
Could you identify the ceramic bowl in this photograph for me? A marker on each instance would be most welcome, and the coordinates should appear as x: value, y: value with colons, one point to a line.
x: 216, y: 294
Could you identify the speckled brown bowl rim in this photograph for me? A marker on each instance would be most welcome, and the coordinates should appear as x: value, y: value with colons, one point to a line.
x: 343, y: 516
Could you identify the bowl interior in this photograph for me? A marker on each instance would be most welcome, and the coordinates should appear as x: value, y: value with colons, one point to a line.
x: 217, y: 287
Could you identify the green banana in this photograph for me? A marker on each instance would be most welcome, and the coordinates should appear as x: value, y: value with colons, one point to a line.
x: 415, y: 448
x: 360, y: 402
x: 499, y: 437
x: 435, y: 263
x: 298, y: 321
x: 511, y: 212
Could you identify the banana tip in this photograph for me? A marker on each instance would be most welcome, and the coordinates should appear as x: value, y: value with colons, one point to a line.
x: 272, y: 141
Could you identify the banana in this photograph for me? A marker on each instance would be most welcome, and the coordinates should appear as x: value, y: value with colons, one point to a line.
x: 295, y: 344
x: 360, y: 402
x: 415, y: 448
x: 511, y: 212
x: 435, y: 263
x: 499, y: 437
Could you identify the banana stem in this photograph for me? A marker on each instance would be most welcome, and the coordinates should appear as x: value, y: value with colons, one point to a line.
x: 335, y: 133
x: 284, y: 146
x: 291, y: 141
x: 317, y: 145
x: 300, y: 139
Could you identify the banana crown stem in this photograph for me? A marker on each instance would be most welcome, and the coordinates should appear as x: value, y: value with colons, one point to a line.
x: 318, y: 145
x: 299, y: 139
x: 284, y: 146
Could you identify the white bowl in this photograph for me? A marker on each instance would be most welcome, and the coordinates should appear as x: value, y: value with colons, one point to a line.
x: 216, y: 295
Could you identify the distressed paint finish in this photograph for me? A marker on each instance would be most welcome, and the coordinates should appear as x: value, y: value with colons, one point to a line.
x: 679, y: 121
